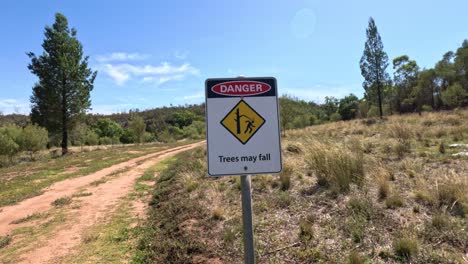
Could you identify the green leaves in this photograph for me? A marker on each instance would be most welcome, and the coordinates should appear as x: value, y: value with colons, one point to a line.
x: 62, y: 94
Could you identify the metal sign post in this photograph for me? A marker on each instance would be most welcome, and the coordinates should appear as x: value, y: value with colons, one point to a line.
x: 247, y: 220
x: 243, y: 137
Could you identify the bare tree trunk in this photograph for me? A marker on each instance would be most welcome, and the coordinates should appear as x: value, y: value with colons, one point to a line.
x: 379, y: 92
x: 64, y: 118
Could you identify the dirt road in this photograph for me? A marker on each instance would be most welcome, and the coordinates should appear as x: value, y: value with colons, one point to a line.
x: 93, y: 207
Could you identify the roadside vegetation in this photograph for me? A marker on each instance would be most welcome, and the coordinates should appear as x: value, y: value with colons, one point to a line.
x: 28, y: 179
x: 360, y: 191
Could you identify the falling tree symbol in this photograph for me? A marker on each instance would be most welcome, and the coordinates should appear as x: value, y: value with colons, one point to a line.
x: 238, y: 121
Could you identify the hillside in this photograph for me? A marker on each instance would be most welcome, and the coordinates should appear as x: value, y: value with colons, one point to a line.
x: 361, y: 191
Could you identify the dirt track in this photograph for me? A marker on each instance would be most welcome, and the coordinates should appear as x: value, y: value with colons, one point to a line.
x: 92, y: 208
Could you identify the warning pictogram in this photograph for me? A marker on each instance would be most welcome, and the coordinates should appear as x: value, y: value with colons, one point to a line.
x: 243, y: 122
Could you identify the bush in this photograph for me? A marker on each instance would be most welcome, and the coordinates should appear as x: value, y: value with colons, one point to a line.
x: 455, y: 96
x: 8, y: 146
x: 373, y: 112
x: 33, y: 138
x: 91, y: 138
x: 426, y: 108
x: 335, y: 117
x: 105, y: 141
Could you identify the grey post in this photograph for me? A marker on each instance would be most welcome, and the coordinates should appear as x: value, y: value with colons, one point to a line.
x: 249, y: 251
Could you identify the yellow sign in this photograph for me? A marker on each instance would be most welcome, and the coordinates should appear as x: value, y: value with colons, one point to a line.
x: 243, y: 122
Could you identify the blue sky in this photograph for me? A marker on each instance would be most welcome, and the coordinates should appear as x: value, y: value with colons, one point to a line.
x: 157, y: 53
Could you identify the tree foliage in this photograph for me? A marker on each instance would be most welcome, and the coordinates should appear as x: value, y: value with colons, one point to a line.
x: 62, y: 93
x: 373, y: 64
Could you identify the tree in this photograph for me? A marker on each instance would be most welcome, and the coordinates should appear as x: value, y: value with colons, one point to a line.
x: 62, y: 94
x: 349, y: 107
x: 405, y: 78
x: 461, y: 64
x: 423, y: 93
x: 455, y: 96
x: 105, y: 127
x: 138, y: 127
x: 373, y: 64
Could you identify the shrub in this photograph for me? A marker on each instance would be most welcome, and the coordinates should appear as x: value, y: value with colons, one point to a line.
x: 336, y: 167
x: 91, y: 138
x: 33, y: 138
x: 373, y: 112
x: 105, y: 141
x: 335, y: 117
x: 426, y: 108
x: 405, y: 248
x: 8, y: 146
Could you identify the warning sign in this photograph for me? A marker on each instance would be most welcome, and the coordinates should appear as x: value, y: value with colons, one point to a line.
x: 243, y: 122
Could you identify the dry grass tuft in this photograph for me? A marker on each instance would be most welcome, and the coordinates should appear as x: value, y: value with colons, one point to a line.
x: 336, y: 167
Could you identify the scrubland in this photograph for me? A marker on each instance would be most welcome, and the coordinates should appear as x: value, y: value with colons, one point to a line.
x: 362, y: 191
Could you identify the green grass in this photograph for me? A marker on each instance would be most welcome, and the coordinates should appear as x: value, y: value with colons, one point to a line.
x: 62, y: 201
x: 29, y: 179
x: 28, y: 218
x: 4, y: 241
x: 405, y: 248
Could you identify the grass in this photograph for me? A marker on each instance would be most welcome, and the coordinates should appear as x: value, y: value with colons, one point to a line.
x: 336, y: 167
x: 394, y: 201
x: 26, y: 180
x: 28, y: 218
x: 62, y: 201
x: 345, y: 189
x: 4, y: 241
x: 405, y: 248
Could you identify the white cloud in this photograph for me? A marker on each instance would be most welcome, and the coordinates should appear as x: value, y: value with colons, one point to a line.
x: 318, y: 92
x: 165, y: 72
x: 9, y: 106
x: 121, y: 56
x: 192, y: 97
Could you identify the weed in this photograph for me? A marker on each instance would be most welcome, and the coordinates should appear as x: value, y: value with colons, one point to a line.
x: 361, y: 206
x: 383, y: 187
x: 440, y: 221
x: 27, y: 218
x: 285, y: 178
x: 355, y: 258
x: 405, y: 248
x: 89, y: 237
x: 283, y: 200
x: 191, y: 185
x: 82, y: 194
x: 62, y: 201
x: 306, y: 230
x: 217, y: 213
x: 229, y: 235
x: 98, y: 182
x: 294, y: 148
x: 441, y: 147
x: 394, y: 201
x: 4, y: 241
